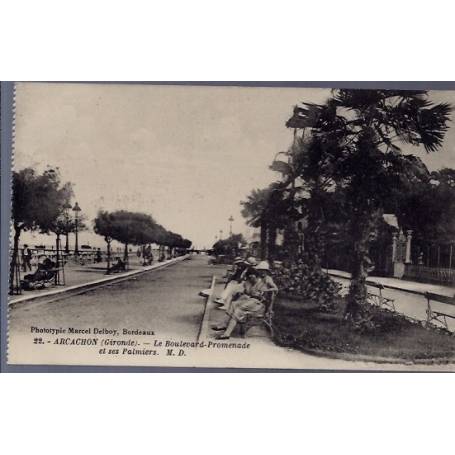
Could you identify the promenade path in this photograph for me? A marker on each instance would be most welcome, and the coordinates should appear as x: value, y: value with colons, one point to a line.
x: 164, y: 301
x: 408, y: 296
x: 76, y: 274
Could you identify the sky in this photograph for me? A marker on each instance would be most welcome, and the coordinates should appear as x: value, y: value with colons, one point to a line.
x: 185, y: 155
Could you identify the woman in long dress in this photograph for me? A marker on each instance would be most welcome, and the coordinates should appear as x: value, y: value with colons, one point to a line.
x: 251, y: 302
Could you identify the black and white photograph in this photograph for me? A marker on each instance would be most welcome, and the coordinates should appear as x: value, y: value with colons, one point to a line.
x: 221, y: 226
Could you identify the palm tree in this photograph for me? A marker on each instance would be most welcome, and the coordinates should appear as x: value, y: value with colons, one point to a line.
x: 255, y: 211
x: 360, y: 133
x: 269, y: 209
x: 307, y: 181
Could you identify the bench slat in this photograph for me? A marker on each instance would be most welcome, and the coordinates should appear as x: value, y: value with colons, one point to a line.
x: 440, y: 298
x: 444, y: 314
x: 374, y: 284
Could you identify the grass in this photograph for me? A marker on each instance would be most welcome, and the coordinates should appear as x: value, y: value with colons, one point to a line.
x: 390, y: 335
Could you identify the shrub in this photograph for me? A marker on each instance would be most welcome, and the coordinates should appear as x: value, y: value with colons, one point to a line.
x: 308, y: 283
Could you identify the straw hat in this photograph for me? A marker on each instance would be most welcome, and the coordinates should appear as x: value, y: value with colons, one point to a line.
x: 263, y: 265
x: 251, y: 261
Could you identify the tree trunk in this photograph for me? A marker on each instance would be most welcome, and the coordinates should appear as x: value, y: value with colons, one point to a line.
x: 263, y: 244
x: 313, y: 232
x: 125, y: 256
x: 57, y: 258
x: 314, y: 246
x: 161, y: 253
x: 290, y: 242
x: 108, y: 256
x: 362, y: 228
x: 271, y: 241
x: 17, y: 234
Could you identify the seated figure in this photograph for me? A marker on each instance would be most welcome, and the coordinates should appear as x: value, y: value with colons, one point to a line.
x: 235, y: 283
x: 120, y: 266
x: 44, y: 273
x: 249, y: 302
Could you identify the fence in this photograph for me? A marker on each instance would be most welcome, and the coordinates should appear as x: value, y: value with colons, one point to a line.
x: 51, y: 253
x: 439, y: 255
x: 440, y: 275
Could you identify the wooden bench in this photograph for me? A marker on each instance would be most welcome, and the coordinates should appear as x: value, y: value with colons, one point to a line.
x: 438, y: 316
x: 379, y: 299
x: 266, y: 320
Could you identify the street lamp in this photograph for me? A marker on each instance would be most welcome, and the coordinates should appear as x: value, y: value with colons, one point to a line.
x: 221, y: 234
x: 231, y: 219
x: 76, y: 210
x: 66, y: 208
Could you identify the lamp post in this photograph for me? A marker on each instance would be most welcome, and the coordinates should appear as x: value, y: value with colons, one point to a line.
x: 231, y: 219
x: 76, y: 210
x: 66, y: 215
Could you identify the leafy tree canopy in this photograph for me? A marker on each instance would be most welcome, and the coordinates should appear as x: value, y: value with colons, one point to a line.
x: 38, y: 199
x: 135, y: 228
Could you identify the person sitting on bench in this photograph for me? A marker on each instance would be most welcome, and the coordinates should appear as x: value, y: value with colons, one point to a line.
x: 235, y: 283
x: 44, y: 273
x: 120, y: 266
x: 148, y: 255
x: 251, y: 302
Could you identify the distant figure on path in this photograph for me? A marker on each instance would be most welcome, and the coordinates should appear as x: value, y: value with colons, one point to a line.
x: 26, y: 258
x: 98, y: 257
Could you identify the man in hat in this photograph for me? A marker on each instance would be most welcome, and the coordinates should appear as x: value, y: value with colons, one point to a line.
x: 26, y: 258
x: 235, y: 285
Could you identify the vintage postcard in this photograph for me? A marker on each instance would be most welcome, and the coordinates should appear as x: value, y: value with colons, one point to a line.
x: 230, y: 226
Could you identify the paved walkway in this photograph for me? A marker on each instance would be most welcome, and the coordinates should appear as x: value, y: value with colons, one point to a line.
x: 166, y: 302
x: 408, y: 296
x: 403, y: 285
x: 78, y: 275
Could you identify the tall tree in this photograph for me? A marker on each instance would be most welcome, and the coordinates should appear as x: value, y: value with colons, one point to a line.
x: 103, y: 225
x: 36, y: 204
x: 135, y: 228
x: 270, y: 209
x: 307, y: 179
x: 362, y: 132
x: 130, y: 228
x: 255, y: 211
x: 61, y: 225
x: 230, y: 246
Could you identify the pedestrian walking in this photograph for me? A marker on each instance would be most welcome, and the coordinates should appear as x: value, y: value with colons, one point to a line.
x: 98, y: 257
x: 26, y: 258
